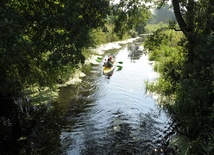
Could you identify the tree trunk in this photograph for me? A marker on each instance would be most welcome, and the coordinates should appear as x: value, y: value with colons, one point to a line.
x: 179, y: 17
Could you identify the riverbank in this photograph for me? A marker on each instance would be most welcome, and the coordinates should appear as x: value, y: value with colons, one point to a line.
x: 101, y: 49
x: 36, y: 95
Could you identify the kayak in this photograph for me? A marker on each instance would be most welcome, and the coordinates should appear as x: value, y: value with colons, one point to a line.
x: 108, y: 70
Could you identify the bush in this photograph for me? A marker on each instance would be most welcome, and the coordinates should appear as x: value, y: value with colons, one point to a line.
x: 133, y: 33
x: 186, y: 86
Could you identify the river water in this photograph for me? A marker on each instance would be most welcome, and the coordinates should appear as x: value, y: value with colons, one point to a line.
x: 113, y: 116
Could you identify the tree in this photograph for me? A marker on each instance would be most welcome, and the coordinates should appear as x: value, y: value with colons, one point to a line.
x: 163, y: 14
x: 193, y: 107
x: 142, y: 19
x: 131, y: 14
x: 42, y: 40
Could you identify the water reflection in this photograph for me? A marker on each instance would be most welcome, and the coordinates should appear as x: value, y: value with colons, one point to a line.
x: 135, y: 51
x: 120, y: 137
x: 30, y: 130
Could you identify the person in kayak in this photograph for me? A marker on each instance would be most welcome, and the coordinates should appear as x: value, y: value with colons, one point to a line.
x: 109, y: 62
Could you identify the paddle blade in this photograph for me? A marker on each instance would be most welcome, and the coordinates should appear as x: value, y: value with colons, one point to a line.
x: 99, y: 58
x: 119, y: 68
x: 120, y: 62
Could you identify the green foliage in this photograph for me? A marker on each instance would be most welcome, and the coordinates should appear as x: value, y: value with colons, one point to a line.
x: 131, y: 14
x: 155, y: 40
x: 194, y: 104
x: 42, y: 40
x: 150, y: 28
x: 143, y: 17
x: 100, y: 37
x: 186, y: 76
x: 133, y: 33
x: 169, y: 62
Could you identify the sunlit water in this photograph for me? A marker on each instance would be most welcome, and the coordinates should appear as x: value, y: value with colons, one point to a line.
x: 113, y: 116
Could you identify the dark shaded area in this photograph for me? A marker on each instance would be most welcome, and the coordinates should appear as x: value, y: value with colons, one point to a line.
x: 125, y: 139
x: 29, y: 129
x: 36, y: 130
x: 10, y: 128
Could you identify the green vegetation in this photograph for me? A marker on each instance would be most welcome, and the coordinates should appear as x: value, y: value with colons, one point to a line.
x: 161, y: 17
x: 185, y: 62
x: 149, y: 28
x: 169, y: 60
x: 42, y: 42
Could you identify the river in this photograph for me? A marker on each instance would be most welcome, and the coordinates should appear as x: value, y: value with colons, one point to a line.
x: 96, y: 116
x: 113, y: 116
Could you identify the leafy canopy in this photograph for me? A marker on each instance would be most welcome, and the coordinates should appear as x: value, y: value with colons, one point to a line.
x: 43, y: 40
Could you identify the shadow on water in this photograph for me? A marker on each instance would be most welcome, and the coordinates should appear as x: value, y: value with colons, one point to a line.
x: 99, y: 116
x: 29, y: 129
x: 10, y: 128
x: 122, y: 139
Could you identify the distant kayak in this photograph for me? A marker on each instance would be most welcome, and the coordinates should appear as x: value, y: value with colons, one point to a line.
x: 108, y: 70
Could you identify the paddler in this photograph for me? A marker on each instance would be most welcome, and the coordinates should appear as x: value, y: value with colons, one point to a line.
x: 109, y: 62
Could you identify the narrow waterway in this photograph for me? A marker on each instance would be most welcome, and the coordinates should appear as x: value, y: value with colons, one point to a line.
x: 113, y: 116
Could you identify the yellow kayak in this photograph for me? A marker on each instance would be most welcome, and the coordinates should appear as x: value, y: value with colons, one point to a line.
x: 108, y: 70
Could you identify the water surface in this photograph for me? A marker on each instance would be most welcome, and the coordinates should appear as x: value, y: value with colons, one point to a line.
x: 113, y: 116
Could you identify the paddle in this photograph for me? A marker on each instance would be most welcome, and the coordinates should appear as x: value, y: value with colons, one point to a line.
x: 99, y: 59
x: 119, y: 67
x: 120, y: 62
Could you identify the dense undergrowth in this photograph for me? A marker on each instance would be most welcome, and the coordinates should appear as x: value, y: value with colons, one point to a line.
x: 185, y: 87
